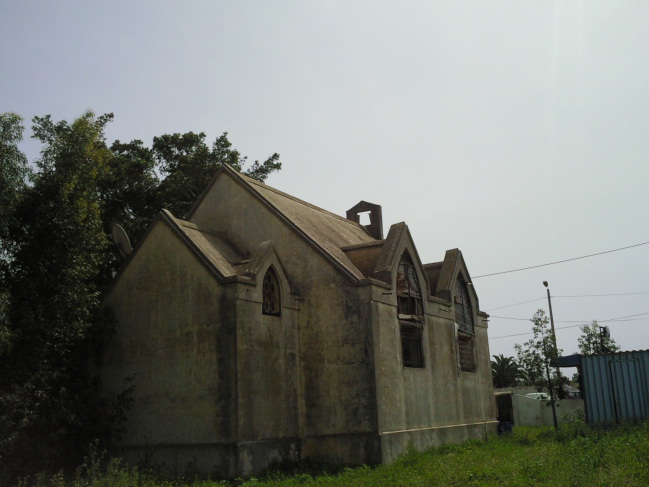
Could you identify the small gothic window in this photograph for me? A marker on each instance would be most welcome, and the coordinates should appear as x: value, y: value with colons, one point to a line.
x: 466, y: 352
x: 463, y: 311
x: 272, y: 301
x: 408, y: 291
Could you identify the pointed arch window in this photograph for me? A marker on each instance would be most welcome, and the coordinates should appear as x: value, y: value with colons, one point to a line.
x: 271, y: 291
x: 410, y: 313
x: 463, y: 311
x: 464, y: 320
x: 408, y: 291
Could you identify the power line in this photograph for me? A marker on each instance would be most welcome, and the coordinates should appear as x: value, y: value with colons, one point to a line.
x: 573, y: 296
x: 599, y: 295
x: 561, y: 321
x: 561, y: 328
x: 515, y: 304
x: 612, y: 320
x: 561, y: 261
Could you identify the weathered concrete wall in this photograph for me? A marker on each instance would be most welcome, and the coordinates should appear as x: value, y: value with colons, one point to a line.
x: 175, y: 335
x: 435, y: 404
x: 532, y: 412
x: 219, y: 381
x: 336, y: 364
x: 268, y: 379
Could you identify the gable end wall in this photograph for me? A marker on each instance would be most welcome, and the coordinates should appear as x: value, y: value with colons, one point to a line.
x: 175, y: 336
x: 337, y: 396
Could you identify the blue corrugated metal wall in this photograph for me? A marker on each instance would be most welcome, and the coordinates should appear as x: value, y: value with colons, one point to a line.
x: 615, y: 386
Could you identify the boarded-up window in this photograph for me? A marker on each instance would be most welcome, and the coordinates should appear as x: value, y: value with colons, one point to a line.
x: 463, y: 311
x: 467, y: 354
x: 408, y: 290
x: 272, y: 299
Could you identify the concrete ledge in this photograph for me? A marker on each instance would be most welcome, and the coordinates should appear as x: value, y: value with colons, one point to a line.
x: 394, y: 443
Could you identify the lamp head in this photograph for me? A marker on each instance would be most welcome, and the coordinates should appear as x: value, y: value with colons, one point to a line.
x: 545, y: 283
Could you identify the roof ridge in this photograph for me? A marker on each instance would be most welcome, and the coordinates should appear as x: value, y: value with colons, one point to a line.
x: 249, y: 180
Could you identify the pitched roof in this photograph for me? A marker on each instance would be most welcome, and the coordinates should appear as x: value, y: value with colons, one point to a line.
x: 326, y: 231
x: 214, y: 251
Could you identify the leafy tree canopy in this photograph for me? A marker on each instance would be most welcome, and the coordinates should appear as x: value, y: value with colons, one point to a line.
x: 188, y: 165
x: 58, y: 257
x: 13, y: 171
x: 13, y: 164
x: 505, y: 371
x: 590, y: 342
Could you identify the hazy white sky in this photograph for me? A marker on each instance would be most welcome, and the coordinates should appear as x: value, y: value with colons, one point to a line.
x: 515, y: 131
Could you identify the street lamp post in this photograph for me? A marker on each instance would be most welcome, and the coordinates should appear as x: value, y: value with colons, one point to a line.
x: 554, y: 340
x: 554, y: 336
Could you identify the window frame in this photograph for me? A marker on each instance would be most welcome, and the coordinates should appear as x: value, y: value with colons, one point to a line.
x: 408, y: 291
x: 466, y: 352
x: 271, y: 305
x: 412, y: 345
x: 410, y: 313
x: 463, y: 311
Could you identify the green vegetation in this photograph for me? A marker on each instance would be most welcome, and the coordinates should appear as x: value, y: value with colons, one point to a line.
x: 590, y: 342
x: 535, y: 357
x: 56, y: 260
x: 505, y: 371
x: 575, y: 455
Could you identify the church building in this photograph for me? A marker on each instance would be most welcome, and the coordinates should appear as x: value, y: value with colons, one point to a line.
x: 263, y: 329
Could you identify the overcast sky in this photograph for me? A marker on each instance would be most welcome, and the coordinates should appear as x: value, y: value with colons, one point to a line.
x: 515, y: 131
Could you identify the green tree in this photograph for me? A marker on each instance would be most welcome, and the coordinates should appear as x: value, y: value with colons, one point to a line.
x: 535, y: 357
x: 13, y: 171
x: 188, y: 164
x: 13, y: 166
x: 127, y: 193
x: 49, y: 408
x: 57, y: 258
x: 505, y: 371
x: 590, y: 342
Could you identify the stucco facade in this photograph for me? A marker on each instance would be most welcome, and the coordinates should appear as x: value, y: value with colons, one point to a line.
x: 219, y: 380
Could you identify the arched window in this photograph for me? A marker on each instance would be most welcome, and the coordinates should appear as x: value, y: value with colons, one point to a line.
x: 464, y: 320
x: 408, y: 290
x: 272, y: 299
x: 463, y: 311
x: 410, y: 313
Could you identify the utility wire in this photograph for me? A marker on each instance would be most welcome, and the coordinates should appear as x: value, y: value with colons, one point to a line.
x: 574, y: 326
x: 561, y: 261
x: 574, y: 296
x: 515, y: 304
x: 559, y: 321
x: 599, y: 295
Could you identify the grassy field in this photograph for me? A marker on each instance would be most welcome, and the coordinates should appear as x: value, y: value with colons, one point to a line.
x: 574, y: 456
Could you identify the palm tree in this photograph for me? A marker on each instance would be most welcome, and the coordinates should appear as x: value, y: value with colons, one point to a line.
x: 505, y: 371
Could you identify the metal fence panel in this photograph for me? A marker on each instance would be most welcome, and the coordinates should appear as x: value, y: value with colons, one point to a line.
x: 615, y: 386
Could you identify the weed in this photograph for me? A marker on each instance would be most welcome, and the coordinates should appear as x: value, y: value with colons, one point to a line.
x: 576, y: 455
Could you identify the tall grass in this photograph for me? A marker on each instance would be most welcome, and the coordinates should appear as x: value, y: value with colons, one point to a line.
x: 576, y: 455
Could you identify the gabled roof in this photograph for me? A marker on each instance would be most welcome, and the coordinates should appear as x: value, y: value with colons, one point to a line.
x: 213, y: 250
x: 447, y: 274
x: 377, y: 260
x: 326, y: 231
x: 217, y: 253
